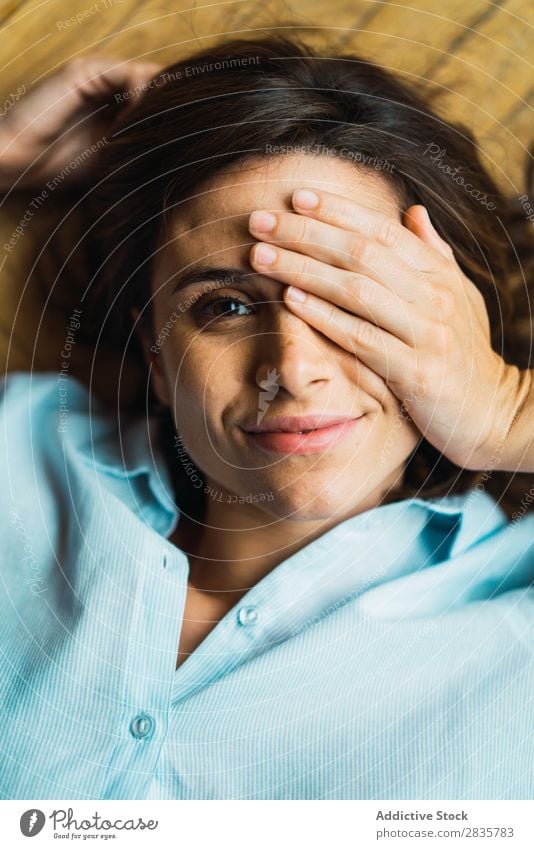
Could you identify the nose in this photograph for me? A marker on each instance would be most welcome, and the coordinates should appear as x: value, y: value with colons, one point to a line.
x: 293, y: 357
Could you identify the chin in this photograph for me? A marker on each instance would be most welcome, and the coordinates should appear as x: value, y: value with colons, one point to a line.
x: 298, y: 501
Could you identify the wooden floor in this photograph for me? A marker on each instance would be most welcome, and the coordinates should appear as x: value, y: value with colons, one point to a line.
x: 476, y: 52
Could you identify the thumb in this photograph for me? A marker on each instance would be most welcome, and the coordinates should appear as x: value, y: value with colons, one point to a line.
x: 417, y: 219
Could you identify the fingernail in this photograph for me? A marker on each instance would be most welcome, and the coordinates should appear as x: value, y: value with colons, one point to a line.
x: 306, y: 199
x: 262, y: 222
x: 264, y: 254
x: 295, y: 294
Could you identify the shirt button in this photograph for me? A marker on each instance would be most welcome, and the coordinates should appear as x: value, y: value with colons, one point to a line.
x: 141, y: 726
x: 248, y: 615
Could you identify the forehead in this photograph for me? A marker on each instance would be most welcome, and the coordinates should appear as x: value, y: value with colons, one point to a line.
x: 214, y: 223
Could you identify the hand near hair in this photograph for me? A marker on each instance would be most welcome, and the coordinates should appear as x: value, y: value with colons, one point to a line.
x: 394, y: 296
x: 64, y: 117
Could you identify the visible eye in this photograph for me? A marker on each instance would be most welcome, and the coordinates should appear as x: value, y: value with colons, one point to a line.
x: 224, y: 306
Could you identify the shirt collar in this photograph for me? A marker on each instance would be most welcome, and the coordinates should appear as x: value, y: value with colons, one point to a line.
x: 335, y: 571
x: 128, y: 449
x: 366, y: 557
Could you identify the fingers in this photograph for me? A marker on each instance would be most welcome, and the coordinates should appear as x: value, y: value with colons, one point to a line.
x: 349, y: 215
x: 381, y: 352
x: 97, y: 77
x: 64, y: 113
x: 417, y: 220
x: 356, y: 293
x: 337, y: 247
x: 50, y: 107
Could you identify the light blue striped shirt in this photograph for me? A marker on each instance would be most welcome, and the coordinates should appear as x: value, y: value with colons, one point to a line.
x: 391, y: 658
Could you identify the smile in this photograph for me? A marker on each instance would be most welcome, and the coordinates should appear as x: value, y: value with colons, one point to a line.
x: 305, y: 441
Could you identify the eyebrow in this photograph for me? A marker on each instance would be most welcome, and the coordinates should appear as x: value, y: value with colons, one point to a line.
x: 228, y: 276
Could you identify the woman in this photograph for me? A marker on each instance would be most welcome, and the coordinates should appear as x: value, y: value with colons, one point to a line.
x: 286, y: 578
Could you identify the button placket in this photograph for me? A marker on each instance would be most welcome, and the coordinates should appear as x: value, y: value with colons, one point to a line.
x: 234, y: 638
x: 156, y: 603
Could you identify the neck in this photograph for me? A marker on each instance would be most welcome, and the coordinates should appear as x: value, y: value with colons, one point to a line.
x: 236, y: 545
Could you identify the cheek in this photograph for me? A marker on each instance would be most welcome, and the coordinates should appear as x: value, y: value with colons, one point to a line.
x: 399, y: 435
x: 207, y: 378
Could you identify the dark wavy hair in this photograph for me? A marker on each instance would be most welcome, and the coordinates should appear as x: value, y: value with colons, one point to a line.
x: 230, y: 103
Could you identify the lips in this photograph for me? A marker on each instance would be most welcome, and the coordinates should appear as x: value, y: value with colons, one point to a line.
x: 296, y: 424
x: 301, y: 434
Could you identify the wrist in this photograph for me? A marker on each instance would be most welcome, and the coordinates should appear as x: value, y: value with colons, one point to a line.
x: 520, y: 433
x: 507, y: 449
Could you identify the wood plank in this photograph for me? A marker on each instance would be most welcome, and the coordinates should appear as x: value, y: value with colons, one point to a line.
x: 409, y: 36
x: 493, y: 65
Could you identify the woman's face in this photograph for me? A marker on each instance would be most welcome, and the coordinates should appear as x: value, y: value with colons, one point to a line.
x: 229, y: 356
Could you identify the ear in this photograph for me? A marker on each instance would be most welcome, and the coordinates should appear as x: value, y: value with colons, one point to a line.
x: 153, y: 359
